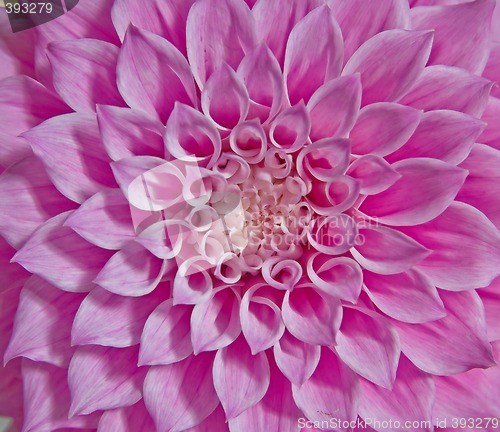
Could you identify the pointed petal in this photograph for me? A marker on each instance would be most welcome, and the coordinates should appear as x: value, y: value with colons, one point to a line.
x: 240, y: 378
x: 229, y: 107
x: 360, y: 20
x: 453, y: 344
x: 332, y: 391
x: 13, y: 149
x: 296, y: 359
x: 387, y: 251
x: 130, y: 419
x: 9, y: 301
x: 217, y: 33
x: 104, y: 220
x: 492, y: 70
x: 374, y: 174
x: 334, y: 107
x: 11, y: 274
x: 405, y: 53
x: 132, y: 271
x: 451, y: 88
x: 166, y: 336
x: 192, y: 283
x: 103, y: 378
x: 491, y: 134
x: 25, y: 186
x: 426, y: 188
x: 410, y: 399
x: 192, y: 402
x: 314, y: 54
x: 490, y: 296
x: 126, y: 132
x: 382, y: 128
x: 62, y: 257
x: 465, y: 248
x: 409, y: 297
x: 369, y: 345
x: 110, y: 320
x: 71, y: 149
x: 152, y: 74
x: 445, y: 135
x: 84, y: 73
x: 290, y: 130
x: 215, y: 323
x: 310, y: 317
x: 462, y: 33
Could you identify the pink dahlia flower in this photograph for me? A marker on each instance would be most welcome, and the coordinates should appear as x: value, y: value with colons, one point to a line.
x: 269, y: 216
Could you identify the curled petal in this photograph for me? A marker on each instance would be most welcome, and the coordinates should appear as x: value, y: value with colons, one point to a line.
x: 297, y: 360
x: 462, y: 33
x: 84, y: 73
x: 290, y: 130
x: 240, y: 378
x: 333, y: 235
x: 424, y: 190
x: 311, y: 317
x: 248, y: 140
x: 383, y: 250
x: 408, y: 297
x: 152, y: 74
x: 314, y: 54
x: 406, y: 53
x: 218, y: 33
x: 192, y: 283
x: 278, y: 162
x: 281, y: 274
x: 228, y: 268
x: 215, y: 323
x: 382, y: 128
x: 450, y: 88
x: 229, y: 107
x: 166, y: 336
x: 193, y: 400
x: 234, y: 168
x: 374, y: 174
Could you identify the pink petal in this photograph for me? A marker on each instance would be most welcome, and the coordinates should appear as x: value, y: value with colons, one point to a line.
x: 382, y: 128
x: 492, y: 70
x: 152, y: 74
x: 42, y: 324
x: 71, y: 149
x: 410, y: 399
x: 387, y: 251
x: 193, y: 400
x: 9, y: 301
x: 331, y: 392
x: 374, y: 174
x: 13, y: 149
x: 310, y: 317
x: 409, y: 297
x: 62, y: 257
x: 192, y: 283
x: 314, y: 54
x: 25, y: 103
x: 334, y: 107
x: 249, y: 140
x: 465, y: 247
x: 491, y: 134
x: 490, y: 296
x: 25, y: 186
x: 130, y: 419
x: 262, y: 76
x: 462, y: 33
x: 297, y: 360
x: 228, y: 108
x: 271, y: 26
x: 445, y: 135
x: 215, y: 323
x: 103, y: 378
x: 166, y: 337
x: 360, y: 20
x: 261, y: 321
x: 84, y: 73
x: 426, y: 188
x: 214, y: 422
x: 218, y: 32
x: 47, y: 399
x: 111, y: 320
x: 11, y: 394
x: 240, y: 378
x: 132, y: 271
x: 276, y: 411
x: 104, y: 220
x: 11, y: 274
x: 481, y: 186
x: 126, y: 132
x: 451, y: 88
x: 369, y: 345
x: 165, y: 18
x: 405, y: 53
x: 290, y: 130
x: 453, y: 344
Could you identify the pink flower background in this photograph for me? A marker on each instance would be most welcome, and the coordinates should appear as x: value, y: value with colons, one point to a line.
x: 218, y: 215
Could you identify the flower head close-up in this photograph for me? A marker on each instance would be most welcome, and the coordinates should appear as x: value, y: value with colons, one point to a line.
x: 250, y: 216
